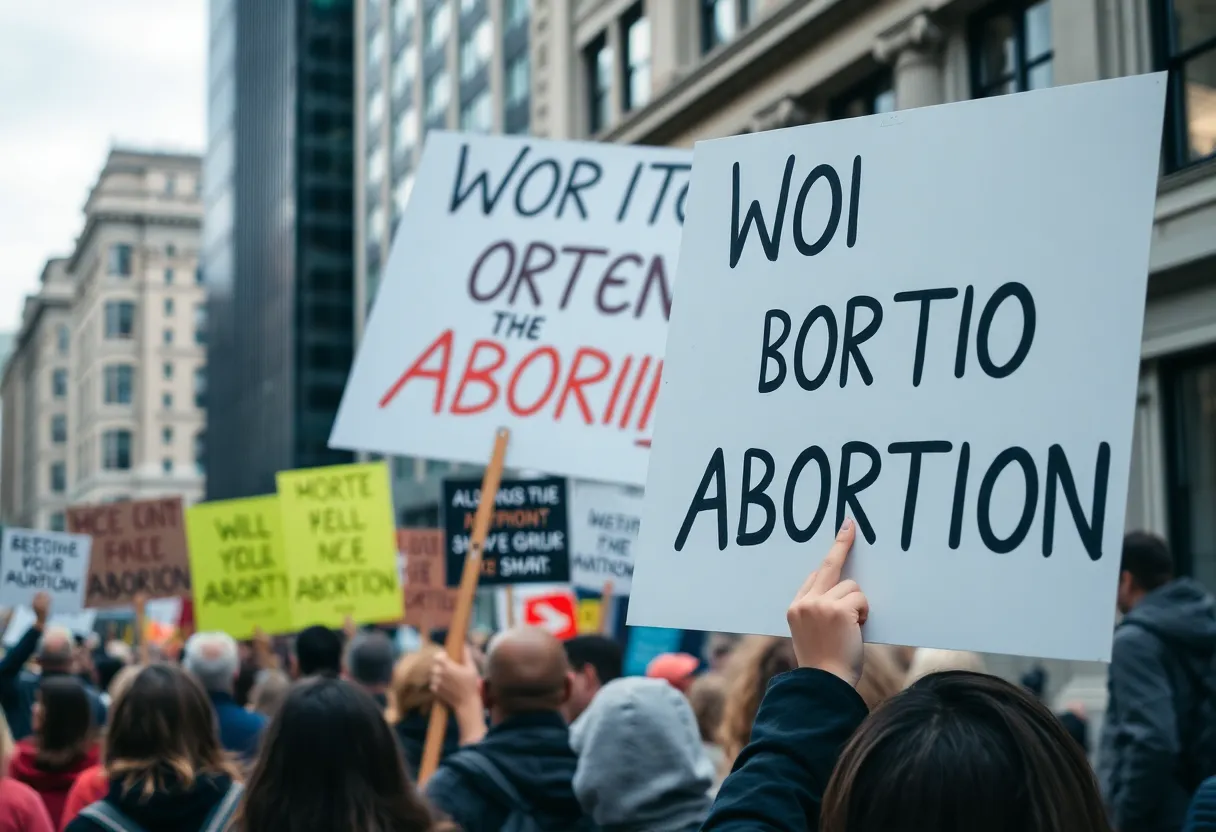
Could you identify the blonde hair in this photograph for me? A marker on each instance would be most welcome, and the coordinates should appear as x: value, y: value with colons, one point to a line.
x: 410, y: 689
x: 882, y: 676
x: 269, y: 690
x: 927, y: 661
x: 707, y: 696
x: 755, y: 661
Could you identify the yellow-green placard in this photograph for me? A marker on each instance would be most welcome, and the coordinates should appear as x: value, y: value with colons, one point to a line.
x: 238, y: 566
x: 342, y: 541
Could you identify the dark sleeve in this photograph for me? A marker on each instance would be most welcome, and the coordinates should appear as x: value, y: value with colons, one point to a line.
x: 778, y: 781
x: 448, y: 793
x: 1139, y: 682
x: 22, y: 652
x: 1201, y: 817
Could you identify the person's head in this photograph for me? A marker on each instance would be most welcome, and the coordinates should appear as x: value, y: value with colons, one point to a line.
x: 410, y: 691
x: 707, y: 696
x: 213, y: 659
x: 961, y: 751
x: 931, y: 660
x: 163, y: 732
x: 526, y: 672
x: 63, y: 722
x: 718, y: 647
x: 1146, y: 565
x: 676, y: 669
x: 57, y: 651
x: 330, y: 761
x: 594, y: 662
x: 755, y: 661
x: 318, y: 652
x: 269, y: 690
x: 882, y: 675
x: 641, y: 763
x: 121, y: 683
x: 369, y: 661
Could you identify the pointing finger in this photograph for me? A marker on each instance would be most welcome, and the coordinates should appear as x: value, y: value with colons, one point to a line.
x: 829, y: 572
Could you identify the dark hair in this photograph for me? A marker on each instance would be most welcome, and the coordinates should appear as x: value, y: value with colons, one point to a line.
x: 67, y: 729
x: 245, y: 679
x: 163, y: 732
x: 960, y: 751
x: 600, y: 652
x: 369, y: 658
x: 107, y: 669
x: 318, y: 652
x: 1147, y: 557
x: 330, y: 761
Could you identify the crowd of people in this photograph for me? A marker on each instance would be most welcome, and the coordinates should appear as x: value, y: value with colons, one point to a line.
x: 817, y: 731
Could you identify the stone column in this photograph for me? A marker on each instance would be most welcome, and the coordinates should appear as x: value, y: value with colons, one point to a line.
x: 914, y: 48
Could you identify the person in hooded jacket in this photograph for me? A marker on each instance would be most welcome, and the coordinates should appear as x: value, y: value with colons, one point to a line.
x: 524, y: 765
x: 641, y: 764
x: 167, y: 770
x: 1160, y: 666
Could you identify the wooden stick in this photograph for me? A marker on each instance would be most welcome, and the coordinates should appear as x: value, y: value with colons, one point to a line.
x: 606, y: 608
x: 510, y: 593
x: 438, y: 726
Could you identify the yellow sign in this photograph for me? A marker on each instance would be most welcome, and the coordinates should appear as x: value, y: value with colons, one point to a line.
x: 237, y: 565
x: 589, y: 611
x: 339, y: 531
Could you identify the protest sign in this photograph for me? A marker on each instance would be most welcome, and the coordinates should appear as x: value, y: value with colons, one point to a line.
x: 341, y: 544
x: 552, y: 607
x: 645, y: 644
x: 50, y: 562
x: 942, y: 348
x: 604, y: 522
x: 528, y: 540
x: 429, y: 603
x: 528, y: 287
x: 139, y: 546
x: 590, y: 615
x: 79, y: 623
x: 239, y: 567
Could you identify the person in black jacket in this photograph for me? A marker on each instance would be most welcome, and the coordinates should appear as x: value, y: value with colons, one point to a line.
x: 525, y: 763
x: 956, y: 752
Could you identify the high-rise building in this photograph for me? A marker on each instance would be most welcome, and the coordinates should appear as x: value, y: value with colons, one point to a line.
x: 278, y: 236
x: 422, y: 65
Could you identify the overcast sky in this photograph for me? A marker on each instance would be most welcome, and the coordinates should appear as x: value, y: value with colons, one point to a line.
x: 75, y: 77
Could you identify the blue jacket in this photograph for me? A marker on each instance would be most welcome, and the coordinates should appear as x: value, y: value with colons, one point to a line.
x: 19, y: 688
x: 240, y: 730
x: 778, y: 780
x: 1201, y: 817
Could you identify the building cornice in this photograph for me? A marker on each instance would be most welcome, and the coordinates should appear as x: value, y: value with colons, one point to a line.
x: 140, y: 218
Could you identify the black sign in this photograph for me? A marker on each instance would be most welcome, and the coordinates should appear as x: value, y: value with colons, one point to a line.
x: 528, y: 539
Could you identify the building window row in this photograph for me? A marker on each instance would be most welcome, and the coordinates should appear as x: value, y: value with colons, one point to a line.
x: 118, y: 381
x: 119, y: 319
x: 721, y: 20
x: 116, y: 450
x: 118, y: 262
x: 476, y: 49
x: 633, y: 75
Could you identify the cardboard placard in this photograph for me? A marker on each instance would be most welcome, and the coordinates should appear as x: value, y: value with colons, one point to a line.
x: 528, y: 540
x: 239, y: 566
x: 429, y: 602
x: 139, y: 546
x: 51, y: 562
x: 341, y: 544
x: 528, y: 287
x: 604, y: 524
x: 942, y: 348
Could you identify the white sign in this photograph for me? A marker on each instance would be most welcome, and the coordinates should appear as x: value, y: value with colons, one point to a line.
x: 604, y: 523
x: 78, y: 623
x: 928, y: 321
x: 529, y: 287
x: 553, y: 607
x: 51, y: 562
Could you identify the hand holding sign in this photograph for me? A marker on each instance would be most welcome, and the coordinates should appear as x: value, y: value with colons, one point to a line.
x: 42, y: 608
x: 825, y: 619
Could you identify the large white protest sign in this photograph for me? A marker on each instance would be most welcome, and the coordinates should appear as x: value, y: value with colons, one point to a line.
x: 51, y: 562
x: 79, y: 623
x: 528, y: 286
x: 604, y: 523
x: 928, y: 321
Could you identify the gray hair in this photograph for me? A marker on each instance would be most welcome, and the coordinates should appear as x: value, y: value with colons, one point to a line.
x: 369, y: 659
x: 57, y: 651
x: 213, y: 659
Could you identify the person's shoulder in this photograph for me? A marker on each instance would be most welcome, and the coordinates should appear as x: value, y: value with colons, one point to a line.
x: 21, y: 802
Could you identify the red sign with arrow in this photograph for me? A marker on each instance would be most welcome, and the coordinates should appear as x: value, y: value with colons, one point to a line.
x: 554, y: 612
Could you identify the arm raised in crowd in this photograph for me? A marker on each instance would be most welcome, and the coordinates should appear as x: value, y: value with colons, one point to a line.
x: 778, y: 781
x: 23, y: 650
x: 459, y: 687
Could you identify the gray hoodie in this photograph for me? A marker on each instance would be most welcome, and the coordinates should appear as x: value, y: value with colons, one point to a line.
x: 641, y: 765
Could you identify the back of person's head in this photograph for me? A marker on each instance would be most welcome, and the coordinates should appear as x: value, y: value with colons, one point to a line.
x: 526, y: 672
x: 751, y: 666
x: 269, y: 690
x: 410, y: 690
x: 930, y: 660
x: 882, y: 677
x: 707, y: 696
x: 641, y: 763
x: 369, y: 659
x: 57, y: 650
x: 958, y: 752
x: 598, y: 652
x: 107, y: 668
x: 213, y: 659
x: 318, y: 652
x: 1147, y: 558
x: 63, y: 721
x: 330, y: 761
x: 163, y: 732
x: 121, y: 683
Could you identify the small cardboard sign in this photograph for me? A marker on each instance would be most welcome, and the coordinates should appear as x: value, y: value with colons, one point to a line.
x: 604, y: 524
x: 528, y: 539
x: 239, y: 566
x: 139, y: 546
x: 51, y: 562
x: 429, y: 602
x: 341, y: 544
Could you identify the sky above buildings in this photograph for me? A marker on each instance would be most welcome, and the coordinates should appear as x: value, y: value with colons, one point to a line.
x: 77, y: 76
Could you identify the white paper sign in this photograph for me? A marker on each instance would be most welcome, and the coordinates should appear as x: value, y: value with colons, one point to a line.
x: 79, y: 623
x: 929, y: 321
x: 529, y: 287
x: 52, y: 562
x: 604, y: 523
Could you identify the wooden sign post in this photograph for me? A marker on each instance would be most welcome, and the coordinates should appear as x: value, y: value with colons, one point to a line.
x: 454, y: 645
x: 606, y: 609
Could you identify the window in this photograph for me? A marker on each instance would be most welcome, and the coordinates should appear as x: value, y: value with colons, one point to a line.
x: 403, y: 15
x: 200, y: 452
x: 376, y: 167
x: 120, y: 319
x: 166, y: 401
x: 519, y: 82
x: 58, y: 521
x: 168, y: 337
x: 1185, y: 43
x: 120, y: 260
x: 875, y: 94
x: 637, y: 58
x: 598, y: 59
x: 476, y: 49
x: 198, y: 276
x: 1011, y: 49
x: 168, y: 276
x: 401, y: 193
x: 168, y: 306
x: 515, y: 13
x: 436, y: 25
x: 200, y: 324
x: 438, y: 94
x: 59, y: 428
x: 405, y: 134
x: 375, y: 114
x: 721, y: 20
x: 170, y: 250
x: 116, y: 450
x: 59, y: 478
x: 166, y: 465
x: 166, y: 436
x: 63, y: 339
x: 200, y: 387
x: 467, y: 6
x: 59, y: 383
x: 167, y: 370
x: 403, y: 70
x: 375, y: 52
x: 170, y: 184
x: 477, y: 116
x: 118, y: 382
